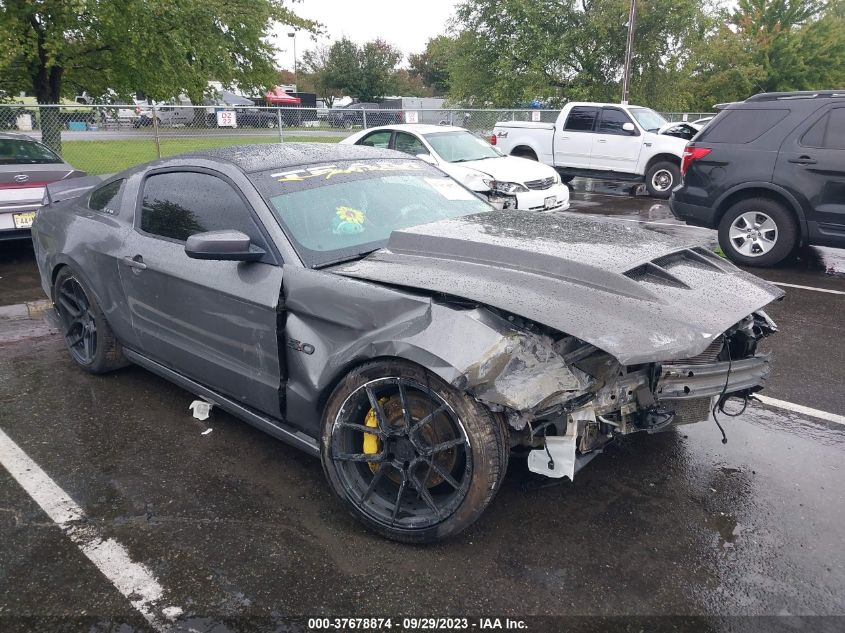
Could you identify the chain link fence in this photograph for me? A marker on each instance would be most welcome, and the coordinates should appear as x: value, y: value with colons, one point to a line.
x: 110, y: 138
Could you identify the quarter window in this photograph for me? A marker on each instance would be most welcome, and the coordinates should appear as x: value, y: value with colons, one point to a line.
x: 742, y: 125
x: 612, y: 121
x: 581, y: 119
x: 178, y: 204
x: 106, y: 198
x: 409, y: 144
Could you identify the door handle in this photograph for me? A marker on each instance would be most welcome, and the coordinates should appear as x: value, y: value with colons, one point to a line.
x: 803, y: 160
x: 564, y: 138
x: 601, y: 140
x: 136, y: 262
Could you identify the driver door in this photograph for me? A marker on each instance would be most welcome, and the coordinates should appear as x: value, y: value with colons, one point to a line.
x: 213, y: 321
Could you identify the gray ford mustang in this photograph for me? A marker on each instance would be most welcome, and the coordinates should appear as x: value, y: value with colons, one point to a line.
x: 362, y: 306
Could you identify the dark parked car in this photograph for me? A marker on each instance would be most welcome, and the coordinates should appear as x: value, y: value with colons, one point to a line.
x: 26, y: 167
x: 364, y: 115
x: 769, y: 174
x: 362, y: 306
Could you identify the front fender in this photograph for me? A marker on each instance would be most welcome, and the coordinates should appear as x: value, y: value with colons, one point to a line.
x: 341, y: 322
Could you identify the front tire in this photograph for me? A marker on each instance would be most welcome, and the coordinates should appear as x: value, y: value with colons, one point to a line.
x: 758, y: 232
x: 88, y: 337
x: 661, y: 178
x: 412, y: 458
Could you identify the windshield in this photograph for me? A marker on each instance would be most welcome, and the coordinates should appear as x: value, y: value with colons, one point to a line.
x: 648, y: 119
x: 345, y: 210
x: 23, y: 152
x: 460, y: 146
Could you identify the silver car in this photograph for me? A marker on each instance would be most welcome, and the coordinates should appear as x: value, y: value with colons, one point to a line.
x: 26, y: 167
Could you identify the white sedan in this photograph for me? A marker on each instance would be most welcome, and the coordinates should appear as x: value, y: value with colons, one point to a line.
x: 507, y: 181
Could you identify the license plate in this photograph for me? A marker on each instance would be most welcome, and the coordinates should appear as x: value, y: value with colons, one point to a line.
x: 23, y: 220
x: 550, y: 202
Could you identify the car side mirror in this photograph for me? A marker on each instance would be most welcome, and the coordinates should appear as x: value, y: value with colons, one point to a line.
x: 222, y: 245
x: 427, y: 158
x: 629, y: 127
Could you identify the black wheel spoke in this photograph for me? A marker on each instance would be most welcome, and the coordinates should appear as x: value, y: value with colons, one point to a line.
x: 362, y: 428
x: 445, y: 446
x: 73, y: 339
x: 425, y: 495
x: 373, y: 483
x: 88, y: 340
x: 375, y: 406
x: 398, y: 501
x: 446, y: 476
x: 406, y: 411
x: 427, y: 419
x: 359, y: 457
x: 72, y: 310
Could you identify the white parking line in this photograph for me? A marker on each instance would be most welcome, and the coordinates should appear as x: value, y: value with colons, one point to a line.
x: 800, y: 408
x: 134, y: 580
x: 785, y: 285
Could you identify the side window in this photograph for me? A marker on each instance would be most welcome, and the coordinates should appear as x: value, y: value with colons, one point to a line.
x: 179, y: 204
x: 581, y: 119
x: 835, y: 137
x: 106, y: 199
x: 612, y: 120
x: 409, y: 144
x: 377, y: 139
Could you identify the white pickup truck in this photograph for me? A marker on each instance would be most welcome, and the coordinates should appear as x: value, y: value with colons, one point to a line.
x: 603, y: 140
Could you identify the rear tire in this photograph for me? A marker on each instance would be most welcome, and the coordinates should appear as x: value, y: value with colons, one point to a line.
x: 436, y: 464
x: 661, y: 178
x: 525, y: 153
x: 88, y: 337
x: 758, y: 232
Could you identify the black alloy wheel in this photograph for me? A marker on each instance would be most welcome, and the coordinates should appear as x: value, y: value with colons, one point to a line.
x: 78, y: 320
x: 413, y: 458
x: 88, y: 337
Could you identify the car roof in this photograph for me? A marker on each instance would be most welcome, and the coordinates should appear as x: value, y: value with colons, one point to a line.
x: 419, y: 128
x: 595, y: 104
x: 797, y: 95
x: 17, y: 137
x: 261, y: 156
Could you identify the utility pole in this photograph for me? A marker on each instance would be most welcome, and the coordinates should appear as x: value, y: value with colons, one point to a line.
x: 629, y: 52
x: 293, y: 35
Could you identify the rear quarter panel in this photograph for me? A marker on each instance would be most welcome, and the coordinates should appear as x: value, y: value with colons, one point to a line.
x: 67, y: 233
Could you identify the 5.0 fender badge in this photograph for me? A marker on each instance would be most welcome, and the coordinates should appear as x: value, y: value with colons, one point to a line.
x: 299, y: 346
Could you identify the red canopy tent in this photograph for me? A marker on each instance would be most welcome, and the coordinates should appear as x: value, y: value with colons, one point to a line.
x: 277, y: 96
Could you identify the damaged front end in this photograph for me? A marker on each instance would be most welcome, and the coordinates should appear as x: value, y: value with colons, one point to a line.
x: 565, y: 399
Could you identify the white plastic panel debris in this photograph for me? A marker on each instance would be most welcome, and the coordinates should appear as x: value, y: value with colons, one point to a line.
x: 201, y: 409
x: 557, y: 458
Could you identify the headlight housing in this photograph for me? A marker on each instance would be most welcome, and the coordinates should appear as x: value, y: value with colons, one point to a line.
x: 507, y: 188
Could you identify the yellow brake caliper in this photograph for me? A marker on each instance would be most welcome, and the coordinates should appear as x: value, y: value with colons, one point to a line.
x: 372, y: 444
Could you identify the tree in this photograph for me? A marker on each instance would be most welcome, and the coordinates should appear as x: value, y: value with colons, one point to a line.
x: 364, y: 72
x: 556, y: 50
x: 432, y: 65
x: 313, y: 74
x: 378, y: 61
x: 772, y: 45
x: 58, y: 48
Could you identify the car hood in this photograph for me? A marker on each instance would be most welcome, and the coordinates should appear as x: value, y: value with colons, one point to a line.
x: 634, y: 293
x: 503, y: 168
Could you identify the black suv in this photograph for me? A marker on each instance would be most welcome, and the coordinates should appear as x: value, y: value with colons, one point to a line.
x: 769, y: 173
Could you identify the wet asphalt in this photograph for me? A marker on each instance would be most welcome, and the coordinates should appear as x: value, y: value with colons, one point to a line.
x: 242, y: 533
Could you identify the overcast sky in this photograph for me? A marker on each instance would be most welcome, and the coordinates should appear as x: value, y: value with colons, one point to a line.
x: 407, y: 24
